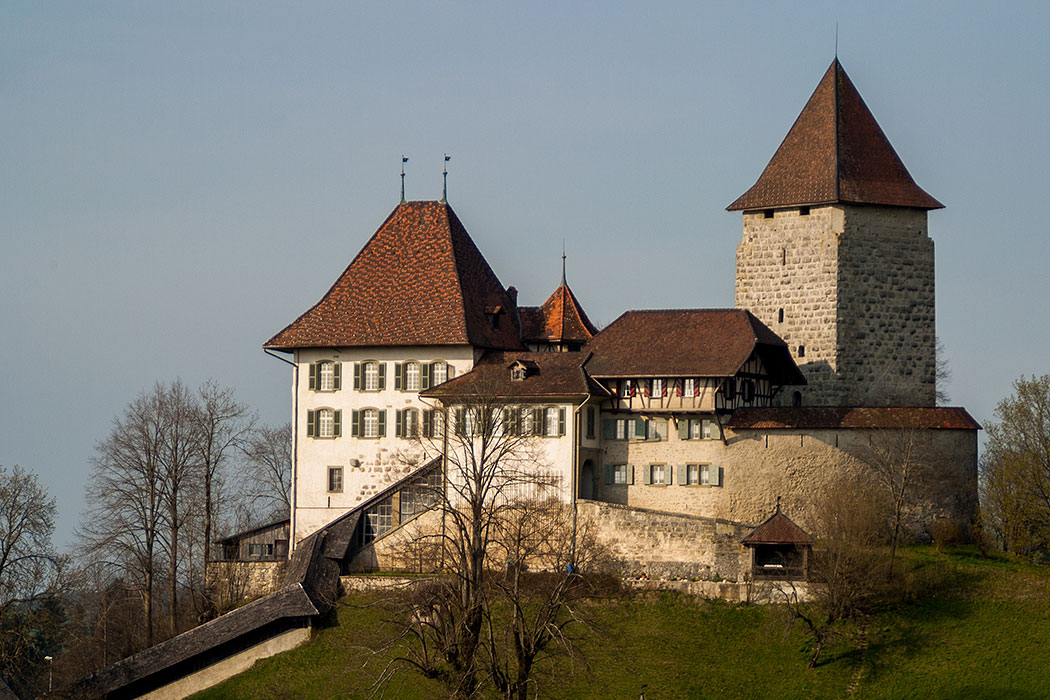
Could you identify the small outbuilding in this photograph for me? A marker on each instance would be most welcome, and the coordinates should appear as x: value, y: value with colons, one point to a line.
x: 780, y: 549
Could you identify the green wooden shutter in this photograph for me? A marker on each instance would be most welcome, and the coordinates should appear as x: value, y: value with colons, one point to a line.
x: 399, y: 376
x: 355, y: 424
x: 382, y: 421
x: 639, y: 430
x: 314, y: 371
x: 399, y: 424
x: 561, y: 421
x: 683, y: 474
x: 424, y: 375
x: 716, y: 475
x: 460, y: 420
x: 337, y: 423
x: 647, y: 474
x: 311, y: 424
x: 337, y: 375
x: 382, y: 376
x: 659, y: 429
x: 610, y: 473
x: 609, y: 429
x: 668, y: 471
x: 537, y: 421
x: 357, y: 376
x: 630, y: 475
x: 428, y: 422
x: 683, y: 428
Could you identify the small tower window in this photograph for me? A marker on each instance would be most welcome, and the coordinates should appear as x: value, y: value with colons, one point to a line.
x: 803, y: 211
x: 767, y: 214
x: 801, y: 350
x: 783, y: 256
x: 796, y: 399
x: 780, y: 316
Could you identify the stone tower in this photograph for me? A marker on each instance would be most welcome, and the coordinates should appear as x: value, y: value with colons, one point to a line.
x: 836, y: 258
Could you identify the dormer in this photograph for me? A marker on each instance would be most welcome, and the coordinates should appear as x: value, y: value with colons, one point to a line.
x: 520, y: 370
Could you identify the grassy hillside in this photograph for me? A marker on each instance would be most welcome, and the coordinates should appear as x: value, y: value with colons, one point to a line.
x: 972, y: 629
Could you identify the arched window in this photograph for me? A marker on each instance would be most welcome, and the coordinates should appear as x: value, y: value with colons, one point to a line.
x: 411, y: 376
x: 370, y: 372
x: 370, y: 423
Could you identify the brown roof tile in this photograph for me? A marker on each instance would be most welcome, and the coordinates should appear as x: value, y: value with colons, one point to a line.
x: 420, y: 280
x: 688, y: 343
x: 778, y: 529
x: 835, y: 152
x: 774, y: 418
x: 550, y: 374
x: 560, y: 319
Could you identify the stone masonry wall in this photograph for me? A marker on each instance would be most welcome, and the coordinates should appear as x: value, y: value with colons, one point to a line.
x: 855, y: 285
x: 799, y: 467
x: 887, y: 326
x: 789, y: 263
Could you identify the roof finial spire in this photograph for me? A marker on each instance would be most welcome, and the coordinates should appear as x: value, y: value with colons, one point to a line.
x: 778, y: 504
x: 444, y: 179
x: 563, y: 262
x: 404, y: 160
x: 836, y: 41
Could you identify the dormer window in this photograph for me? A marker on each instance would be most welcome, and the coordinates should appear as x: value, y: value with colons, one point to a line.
x: 517, y: 374
x: 521, y: 369
x: 494, y: 312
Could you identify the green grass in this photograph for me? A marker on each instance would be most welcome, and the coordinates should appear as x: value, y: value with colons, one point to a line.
x: 972, y: 628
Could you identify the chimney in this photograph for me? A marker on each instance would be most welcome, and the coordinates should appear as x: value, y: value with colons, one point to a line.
x: 512, y: 292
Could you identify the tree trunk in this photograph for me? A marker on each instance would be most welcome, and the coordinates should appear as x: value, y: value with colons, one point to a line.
x: 173, y: 569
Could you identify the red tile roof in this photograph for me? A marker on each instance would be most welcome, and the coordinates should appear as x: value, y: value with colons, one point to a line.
x: 835, y: 152
x: 420, y: 280
x: 560, y: 319
x: 778, y: 529
x: 815, y: 418
x: 550, y: 374
x: 688, y: 343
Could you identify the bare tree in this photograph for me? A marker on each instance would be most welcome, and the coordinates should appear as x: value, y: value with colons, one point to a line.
x: 269, y: 469
x: 222, y: 427
x: 1015, y: 470
x: 900, y: 465
x: 842, y: 573
x: 125, y: 495
x: 510, y: 554
x: 29, y: 573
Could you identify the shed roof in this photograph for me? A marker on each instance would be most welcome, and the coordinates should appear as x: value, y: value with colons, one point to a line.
x: 835, y: 152
x: 778, y: 529
x: 782, y: 417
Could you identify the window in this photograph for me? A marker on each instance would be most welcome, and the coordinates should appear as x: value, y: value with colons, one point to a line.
x: 796, y: 399
x: 801, y: 350
x: 803, y: 211
x: 378, y: 520
x: 780, y: 315
x: 592, y: 420
x: 697, y: 429
x: 621, y: 429
x: 650, y: 429
x: 324, y: 376
x: 369, y: 423
x: 407, y: 423
x: 657, y: 387
x: 709, y: 475
x: 371, y: 376
x: 749, y: 390
x: 323, y: 423
x: 767, y: 214
x: 689, y: 387
x: 619, y: 474
x: 517, y: 374
x: 439, y: 373
x: 407, y: 376
x: 550, y: 422
x: 729, y: 389
x: 257, y: 551
x: 659, y: 475
x: 433, y: 423
x: 692, y: 475
x: 625, y: 388
x: 335, y: 479
x: 466, y: 421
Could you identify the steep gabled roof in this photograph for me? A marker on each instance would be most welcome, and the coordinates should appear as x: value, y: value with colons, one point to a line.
x: 778, y: 529
x: 420, y: 280
x: 551, y: 374
x: 688, y: 343
x: 835, y: 152
x: 560, y: 319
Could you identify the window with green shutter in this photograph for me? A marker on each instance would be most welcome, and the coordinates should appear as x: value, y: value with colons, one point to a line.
x: 561, y: 421
x: 382, y: 423
x: 337, y: 424
x: 357, y: 376
x: 399, y: 376
x: 311, y: 424
x: 314, y: 367
x: 356, y: 429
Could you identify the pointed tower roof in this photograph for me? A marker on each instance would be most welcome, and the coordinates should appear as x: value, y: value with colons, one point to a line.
x: 419, y: 280
x: 560, y: 319
x: 835, y: 152
x: 778, y: 529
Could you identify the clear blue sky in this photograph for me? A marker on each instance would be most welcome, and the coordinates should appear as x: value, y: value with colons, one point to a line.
x: 180, y: 180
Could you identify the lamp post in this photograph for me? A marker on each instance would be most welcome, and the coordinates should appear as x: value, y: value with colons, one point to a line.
x: 49, y: 659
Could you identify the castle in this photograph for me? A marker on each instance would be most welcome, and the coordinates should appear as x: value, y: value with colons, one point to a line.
x: 675, y: 430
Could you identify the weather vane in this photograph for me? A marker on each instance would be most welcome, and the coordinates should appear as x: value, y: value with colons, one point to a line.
x: 404, y: 159
x: 444, y: 179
